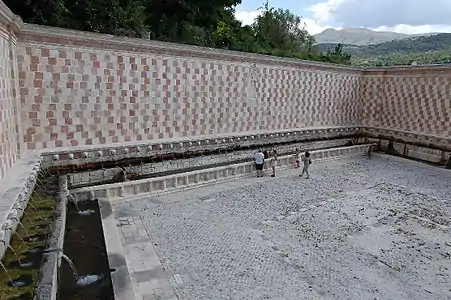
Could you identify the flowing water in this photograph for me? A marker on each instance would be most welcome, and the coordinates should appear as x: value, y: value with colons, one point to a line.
x: 15, y: 253
x: 32, y: 205
x: 90, y: 257
x: 24, y: 229
x: 81, y: 212
x: 6, y: 271
x: 20, y: 238
x: 72, y: 266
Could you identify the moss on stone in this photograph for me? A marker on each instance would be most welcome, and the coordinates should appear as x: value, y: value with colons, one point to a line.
x: 29, y: 220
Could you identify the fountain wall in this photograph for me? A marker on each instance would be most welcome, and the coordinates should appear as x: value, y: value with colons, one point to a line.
x: 411, y: 103
x: 66, y: 90
x: 9, y: 103
x: 86, y: 89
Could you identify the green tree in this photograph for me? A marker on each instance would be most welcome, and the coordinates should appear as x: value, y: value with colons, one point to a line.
x: 338, y: 56
x: 197, y: 22
x: 281, y: 29
x: 43, y: 12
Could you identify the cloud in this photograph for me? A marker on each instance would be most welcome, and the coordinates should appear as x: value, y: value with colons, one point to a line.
x: 414, y: 15
x: 248, y: 17
x: 409, y: 29
x: 407, y: 16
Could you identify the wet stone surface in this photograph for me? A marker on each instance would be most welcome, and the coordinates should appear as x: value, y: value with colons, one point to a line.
x: 358, y: 229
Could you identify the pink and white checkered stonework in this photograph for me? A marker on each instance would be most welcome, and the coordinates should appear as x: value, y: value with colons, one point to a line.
x: 73, y: 96
x: 62, y: 88
x: 9, y: 102
x: 416, y: 100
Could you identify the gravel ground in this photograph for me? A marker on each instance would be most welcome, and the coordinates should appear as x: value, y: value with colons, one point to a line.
x: 358, y: 229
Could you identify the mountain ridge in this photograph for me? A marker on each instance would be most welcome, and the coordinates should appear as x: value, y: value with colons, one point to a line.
x: 361, y: 36
x: 429, y: 49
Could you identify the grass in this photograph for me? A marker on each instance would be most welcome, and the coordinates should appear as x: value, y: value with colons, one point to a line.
x: 29, y: 219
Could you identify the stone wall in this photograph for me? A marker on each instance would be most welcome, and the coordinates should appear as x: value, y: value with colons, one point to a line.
x: 9, y: 108
x: 416, y: 100
x: 81, y: 89
x: 408, y: 104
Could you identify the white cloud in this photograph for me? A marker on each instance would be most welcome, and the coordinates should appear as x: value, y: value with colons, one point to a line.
x: 323, y: 11
x: 381, y: 15
x: 407, y: 16
x: 248, y: 17
x: 314, y: 27
x: 409, y: 29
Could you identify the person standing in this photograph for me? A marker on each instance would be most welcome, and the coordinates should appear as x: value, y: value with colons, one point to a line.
x: 259, y: 159
x: 273, y: 162
x: 297, y: 157
x: 307, y: 162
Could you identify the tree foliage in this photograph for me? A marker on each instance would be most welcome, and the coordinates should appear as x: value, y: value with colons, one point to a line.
x: 197, y: 22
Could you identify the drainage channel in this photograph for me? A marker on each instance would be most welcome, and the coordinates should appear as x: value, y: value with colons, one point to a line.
x: 145, y: 171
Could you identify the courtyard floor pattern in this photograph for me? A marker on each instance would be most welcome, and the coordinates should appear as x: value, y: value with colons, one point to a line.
x: 357, y: 229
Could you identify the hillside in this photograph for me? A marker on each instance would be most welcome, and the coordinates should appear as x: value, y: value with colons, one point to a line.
x: 357, y: 36
x: 423, y: 49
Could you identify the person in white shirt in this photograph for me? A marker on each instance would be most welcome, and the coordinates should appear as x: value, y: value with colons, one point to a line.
x: 259, y: 159
x: 297, y: 158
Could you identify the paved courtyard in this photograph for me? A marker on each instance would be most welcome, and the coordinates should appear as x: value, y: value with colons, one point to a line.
x: 358, y: 229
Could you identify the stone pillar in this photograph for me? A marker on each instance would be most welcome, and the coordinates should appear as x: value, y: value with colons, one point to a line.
x: 63, y: 190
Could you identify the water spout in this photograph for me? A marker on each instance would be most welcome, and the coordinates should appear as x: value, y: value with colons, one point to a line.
x: 20, y: 238
x: 72, y: 266
x: 71, y: 198
x: 25, y: 230
x: 6, y: 272
x: 13, y: 251
x: 80, y: 280
x: 81, y: 212
x: 30, y: 203
x: 67, y: 259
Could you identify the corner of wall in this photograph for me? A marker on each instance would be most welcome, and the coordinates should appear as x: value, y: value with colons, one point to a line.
x: 10, y: 122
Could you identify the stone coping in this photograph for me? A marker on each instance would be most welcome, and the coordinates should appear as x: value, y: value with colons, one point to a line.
x: 175, y: 182
x: 8, y: 18
x: 47, y: 285
x: 128, y: 150
x: 15, y: 191
x: 409, y: 136
x: 414, y: 152
x: 97, y: 153
x: 122, y: 285
x: 31, y: 33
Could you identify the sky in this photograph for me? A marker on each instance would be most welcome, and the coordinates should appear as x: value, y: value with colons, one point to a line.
x: 403, y: 16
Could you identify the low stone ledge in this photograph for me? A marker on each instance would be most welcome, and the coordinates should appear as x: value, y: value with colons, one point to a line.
x: 86, y: 154
x: 15, y: 191
x: 188, y: 179
x: 47, y: 286
x: 406, y: 150
x: 413, y: 138
x: 101, y: 176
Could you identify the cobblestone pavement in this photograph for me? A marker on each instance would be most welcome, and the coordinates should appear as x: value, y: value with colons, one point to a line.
x: 358, y: 229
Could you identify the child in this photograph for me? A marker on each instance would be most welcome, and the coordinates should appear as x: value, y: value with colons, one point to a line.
x: 307, y: 162
x: 273, y: 162
x: 297, y: 157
